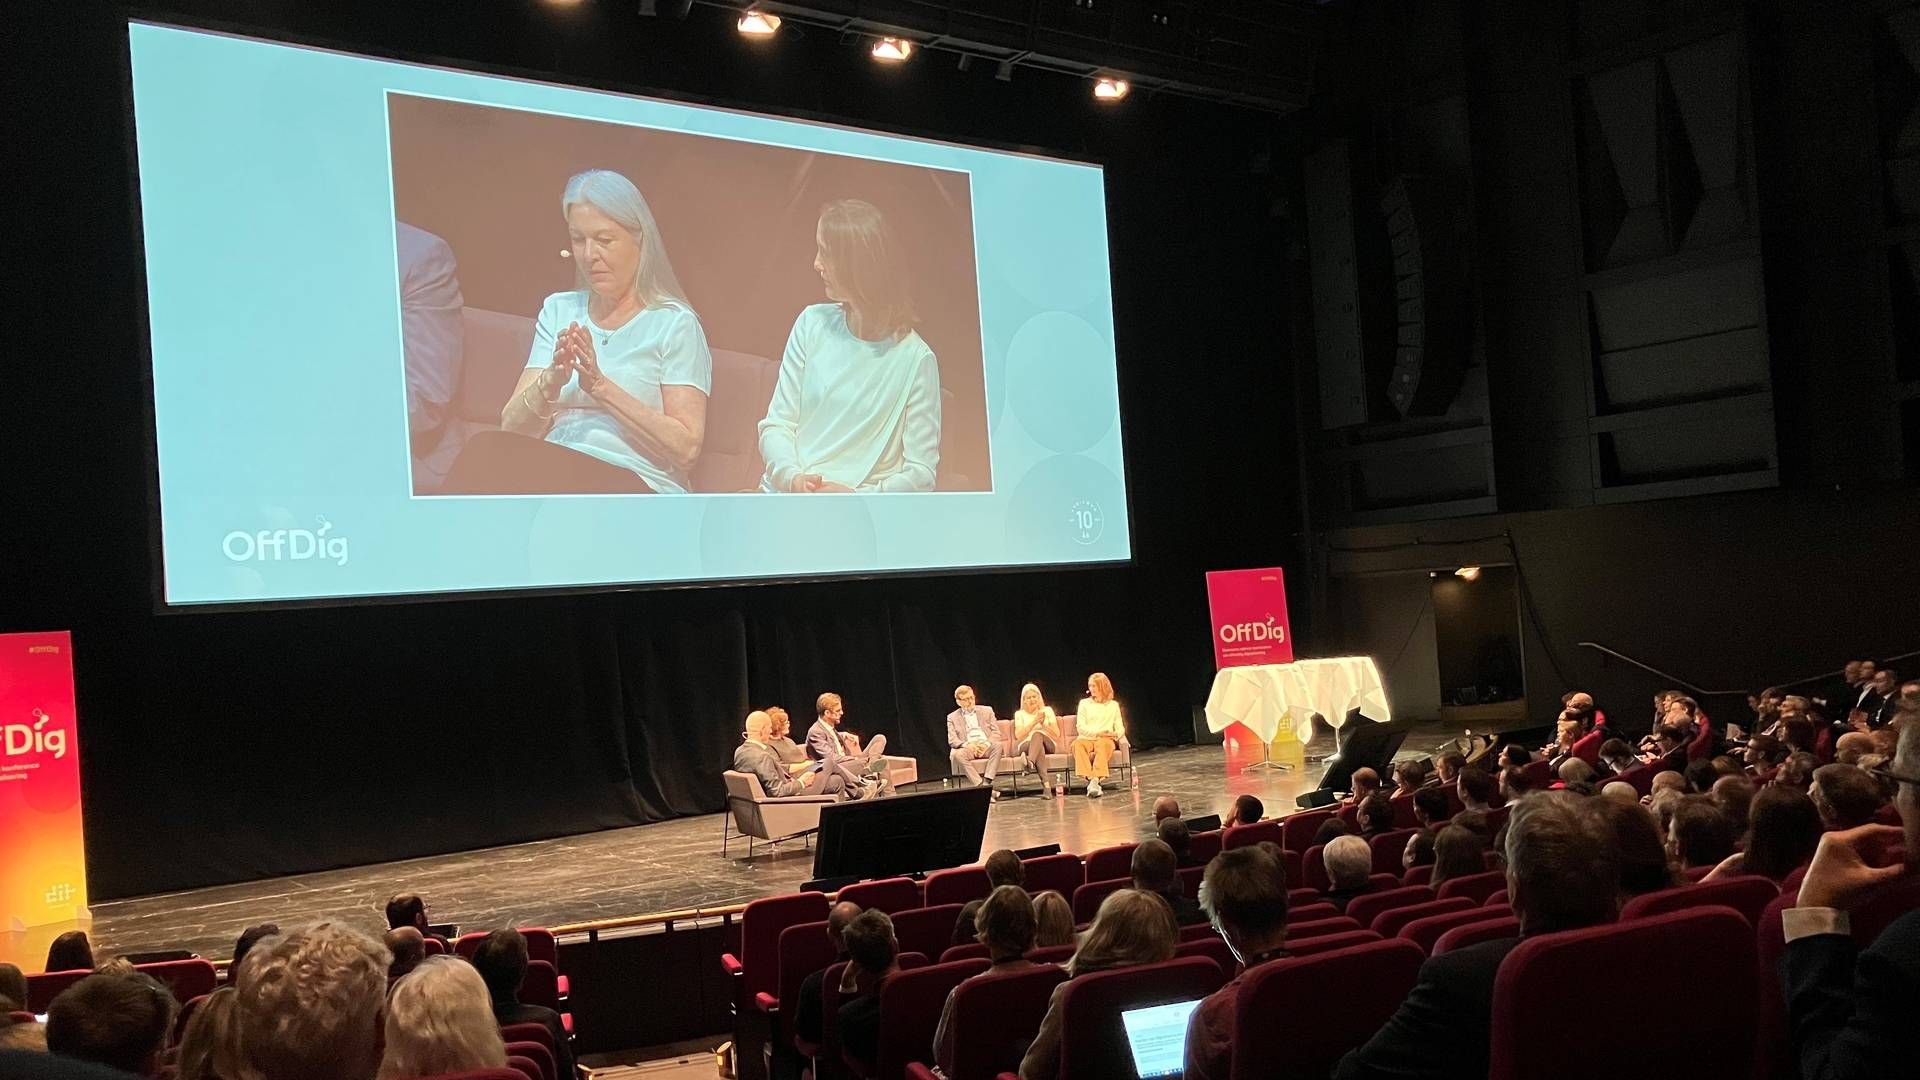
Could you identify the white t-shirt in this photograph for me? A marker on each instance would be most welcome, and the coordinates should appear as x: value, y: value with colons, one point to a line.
x: 661, y: 346
x: 861, y: 413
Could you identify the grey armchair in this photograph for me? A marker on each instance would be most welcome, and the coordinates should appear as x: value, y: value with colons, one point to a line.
x: 754, y: 814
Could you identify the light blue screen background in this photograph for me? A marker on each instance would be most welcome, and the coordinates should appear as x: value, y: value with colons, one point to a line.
x: 278, y: 382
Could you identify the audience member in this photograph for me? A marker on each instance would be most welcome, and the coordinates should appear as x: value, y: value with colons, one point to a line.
x: 1850, y: 747
x: 1763, y: 756
x: 120, y: 1021
x: 1246, y: 892
x: 248, y: 938
x: 873, y: 955
x: 1700, y: 835
x: 1408, y: 776
x: 1616, y: 757
x: 1005, y: 868
x: 440, y: 1021
x: 1734, y: 796
x: 1366, y: 783
x: 1575, y: 771
x: 1700, y: 776
x: 1851, y: 1011
x: 207, y: 1050
x: 1457, y: 852
x: 965, y: 930
x: 1330, y: 830
x: 1130, y: 928
x: 1477, y: 790
x: 1419, y: 850
x: 1562, y: 873
x: 13, y: 989
x: 1621, y: 790
x: 116, y: 965
x: 1447, y: 767
x: 1473, y: 821
x: 1155, y: 870
x: 1246, y: 810
x: 1636, y: 841
x: 1668, y: 751
x: 1513, y: 756
x: 807, y: 1022
x: 1430, y: 806
x: 1375, y: 816
x: 70, y: 951
x: 1783, y: 828
x: 408, y: 947
x: 1006, y: 921
x: 1165, y: 807
x: 1797, y: 771
x: 1173, y: 833
x: 1349, y: 862
x: 1053, y: 921
x: 1846, y: 796
x: 1513, y: 784
x: 502, y: 962
x: 1724, y: 765
x: 407, y: 909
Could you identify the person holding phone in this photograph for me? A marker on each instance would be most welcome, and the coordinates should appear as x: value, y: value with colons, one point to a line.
x: 857, y: 404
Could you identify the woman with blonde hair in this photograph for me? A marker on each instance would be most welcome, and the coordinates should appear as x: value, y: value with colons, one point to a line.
x: 614, y: 396
x: 1036, y: 731
x: 857, y: 404
x: 1132, y: 927
x: 1053, y: 919
x: 206, y: 1048
x: 440, y: 1020
x: 1098, y: 728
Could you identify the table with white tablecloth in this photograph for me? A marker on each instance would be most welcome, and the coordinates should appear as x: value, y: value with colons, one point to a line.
x: 1269, y: 699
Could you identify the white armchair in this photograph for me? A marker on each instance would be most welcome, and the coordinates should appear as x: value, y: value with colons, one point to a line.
x: 754, y: 814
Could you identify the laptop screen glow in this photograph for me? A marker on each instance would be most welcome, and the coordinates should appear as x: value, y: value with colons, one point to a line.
x: 1157, y: 1035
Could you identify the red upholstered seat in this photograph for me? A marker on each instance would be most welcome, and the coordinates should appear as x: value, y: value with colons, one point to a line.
x: 542, y: 945
x: 541, y: 1057
x: 1641, y: 777
x: 1747, y: 894
x: 1473, y: 933
x: 1239, y: 836
x: 1313, y: 869
x: 1695, y: 873
x: 1497, y: 817
x: 468, y: 943
x: 1388, y: 848
x: 975, y: 951
x: 957, y: 886
x: 530, y: 1033
x: 541, y: 986
x: 486, y: 1074
x: 1293, y: 1004
x: 1331, y: 925
x: 1190, y: 879
x: 831, y: 1000
x: 1417, y: 875
x: 1390, y: 922
x: 1213, y: 948
x: 994, y: 1018
x: 1299, y: 895
x: 188, y: 979
x: 520, y: 1067
x: 1295, y: 866
x: 1204, y: 846
x: 1314, y: 946
x: 1426, y: 931
x: 890, y: 895
x: 1052, y: 954
x: 1092, y: 1042
x: 1363, y: 909
x: 1110, y: 863
x: 803, y: 950
x: 1297, y: 829
x: 1062, y: 873
x: 433, y: 946
x: 756, y: 970
x: 1198, y: 933
x: 44, y: 986
x: 927, y: 930
x: 910, y: 1005
x: 1497, y: 898
x: 1087, y: 898
x: 1539, y: 773
x: 1529, y: 995
x: 1382, y: 882
x: 1473, y: 886
x: 1319, y: 909
x: 1403, y: 812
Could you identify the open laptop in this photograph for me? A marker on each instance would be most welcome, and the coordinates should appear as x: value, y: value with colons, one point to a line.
x: 1157, y: 1036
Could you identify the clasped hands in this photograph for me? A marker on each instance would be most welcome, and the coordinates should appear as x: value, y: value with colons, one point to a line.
x: 573, y: 354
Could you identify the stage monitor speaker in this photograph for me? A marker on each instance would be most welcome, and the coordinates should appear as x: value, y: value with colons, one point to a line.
x: 1040, y: 852
x: 1201, y: 736
x: 1202, y: 824
x: 1315, y: 799
x: 830, y: 884
x: 906, y: 834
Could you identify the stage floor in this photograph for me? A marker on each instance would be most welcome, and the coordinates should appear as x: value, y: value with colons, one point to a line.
x: 672, y: 865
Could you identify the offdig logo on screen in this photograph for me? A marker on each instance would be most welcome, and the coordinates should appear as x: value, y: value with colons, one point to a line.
x: 286, y: 545
x: 1237, y: 633
x: 35, y: 738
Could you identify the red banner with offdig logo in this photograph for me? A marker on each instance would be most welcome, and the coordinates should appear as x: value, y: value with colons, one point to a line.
x: 1249, y: 609
x: 43, y: 864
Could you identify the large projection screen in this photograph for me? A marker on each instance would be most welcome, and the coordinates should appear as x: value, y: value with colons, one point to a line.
x: 421, y: 331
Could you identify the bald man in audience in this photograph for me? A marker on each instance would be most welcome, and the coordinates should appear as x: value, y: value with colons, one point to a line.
x: 1366, y: 783
x: 408, y: 947
x: 1164, y: 807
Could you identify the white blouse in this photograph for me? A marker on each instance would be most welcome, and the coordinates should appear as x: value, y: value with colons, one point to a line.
x: 865, y: 414
x: 661, y: 346
x: 1095, y: 718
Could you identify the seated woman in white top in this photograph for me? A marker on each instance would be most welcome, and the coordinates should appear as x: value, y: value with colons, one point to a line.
x: 614, y: 396
x: 1036, y: 731
x: 857, y: 406
x: 1098, y: 729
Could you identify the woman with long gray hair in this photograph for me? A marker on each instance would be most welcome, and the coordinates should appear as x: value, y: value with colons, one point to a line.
x: 614, y: 395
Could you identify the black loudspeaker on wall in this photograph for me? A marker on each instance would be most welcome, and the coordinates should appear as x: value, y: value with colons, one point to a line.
x: 1430, y: 281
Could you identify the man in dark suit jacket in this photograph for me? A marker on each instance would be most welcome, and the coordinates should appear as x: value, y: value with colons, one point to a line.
x: 1155, y: 870
x: 807, y: 1015
x: 1851, y: 1011
x: 502, y: 963
x: 1563, y: 873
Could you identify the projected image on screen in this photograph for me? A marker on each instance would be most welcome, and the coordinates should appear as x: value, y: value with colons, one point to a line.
x: 419, y: 331
x: 597, y: 308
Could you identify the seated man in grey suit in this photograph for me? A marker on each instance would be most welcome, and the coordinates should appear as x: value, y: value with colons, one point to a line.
x: 756, y: 757
x: 973, y: 740
x: 841, y: 754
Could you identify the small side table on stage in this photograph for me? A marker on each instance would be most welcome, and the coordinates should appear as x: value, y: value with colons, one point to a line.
x: 1277, y: 701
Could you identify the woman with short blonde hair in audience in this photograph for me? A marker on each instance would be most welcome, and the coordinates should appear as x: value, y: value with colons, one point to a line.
x: 206, y: 1048
x: 1131, y: 928
x: 1036, y: 731
x: 1053, y: 920
x: 440, y: 1020
x: 1098, y: 729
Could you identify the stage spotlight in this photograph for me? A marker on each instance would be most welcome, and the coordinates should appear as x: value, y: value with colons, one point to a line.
x: 892, y: 50
x: 1109, y: 89
x: 1004, y: 72
x: 1468, y: 573
x: 758, y: 24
